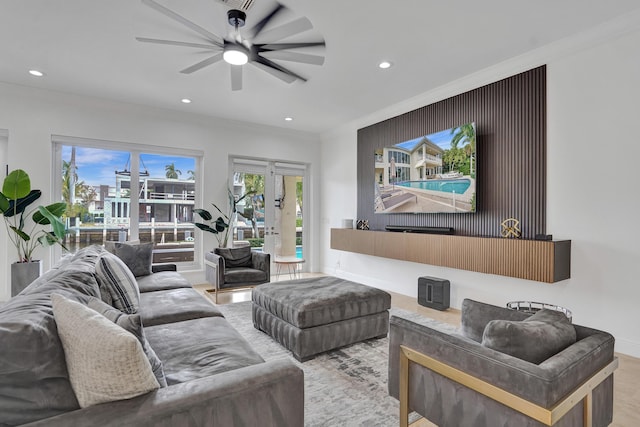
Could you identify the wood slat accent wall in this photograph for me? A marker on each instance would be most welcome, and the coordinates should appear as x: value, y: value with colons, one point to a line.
x: 510, y: 117
x: 542, y: 261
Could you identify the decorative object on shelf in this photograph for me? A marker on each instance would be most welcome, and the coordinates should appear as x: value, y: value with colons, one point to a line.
x: 533, y: 307
x: 362, y: 224
x: 26, y: 236
x: 510, y: 228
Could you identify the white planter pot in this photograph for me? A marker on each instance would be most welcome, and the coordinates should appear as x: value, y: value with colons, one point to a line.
x: 23, y: 273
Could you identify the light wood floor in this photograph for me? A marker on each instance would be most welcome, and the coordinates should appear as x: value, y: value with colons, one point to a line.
x: 626, y: 403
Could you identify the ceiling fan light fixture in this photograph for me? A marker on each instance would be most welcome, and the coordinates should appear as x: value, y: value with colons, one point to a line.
x: 235, y: 56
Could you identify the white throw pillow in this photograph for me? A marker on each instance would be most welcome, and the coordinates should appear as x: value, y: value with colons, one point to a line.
x: 114, y: 274
x: 105, y: 362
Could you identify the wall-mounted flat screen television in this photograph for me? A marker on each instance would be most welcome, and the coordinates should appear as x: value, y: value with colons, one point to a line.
x: 434, y: 173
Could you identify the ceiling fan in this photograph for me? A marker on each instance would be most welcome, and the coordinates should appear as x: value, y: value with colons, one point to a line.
x: 238, y: 49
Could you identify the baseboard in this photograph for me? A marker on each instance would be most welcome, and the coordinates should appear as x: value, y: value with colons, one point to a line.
x: 630, y: 348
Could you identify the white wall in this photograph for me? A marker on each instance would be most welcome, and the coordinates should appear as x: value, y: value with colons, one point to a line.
x: 31, y: 116
x: 592, y: 185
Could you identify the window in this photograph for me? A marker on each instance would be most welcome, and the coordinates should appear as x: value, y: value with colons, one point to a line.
x: 399, y: 157
x: 116, y: 193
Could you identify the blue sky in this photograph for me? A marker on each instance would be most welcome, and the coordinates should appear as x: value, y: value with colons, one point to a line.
x: 442, y: 139
x: 97, y: 166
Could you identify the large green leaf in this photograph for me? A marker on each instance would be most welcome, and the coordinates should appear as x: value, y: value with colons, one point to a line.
x: 24, y: 236
x: 205, y: 227
x: 220, y: 224
x: 49, y: 239
x: 204, y: 214
x: 56, y: 209
x: 16, y: 185
x: 22, y: 203
x: 4, y: 203
x: 56, y: 224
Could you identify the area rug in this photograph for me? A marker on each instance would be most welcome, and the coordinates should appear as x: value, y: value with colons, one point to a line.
x: 345, y: 387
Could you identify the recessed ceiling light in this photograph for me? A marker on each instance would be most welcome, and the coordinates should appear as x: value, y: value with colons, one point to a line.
x: 384, y: 65
x: 36, y: 73
x: 288, y: 119
x: 185, y: 101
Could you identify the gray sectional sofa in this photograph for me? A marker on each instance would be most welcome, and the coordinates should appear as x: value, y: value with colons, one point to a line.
x: 214, y: 377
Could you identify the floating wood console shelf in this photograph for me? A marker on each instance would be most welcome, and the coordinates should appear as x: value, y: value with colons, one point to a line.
x: 542, y: 261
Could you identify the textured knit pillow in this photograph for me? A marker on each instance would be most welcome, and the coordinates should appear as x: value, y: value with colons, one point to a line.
x: 131, y: 323
x: 235, y: 257
x: 118, y: 279
x: 534, y: 339
x: 105, y: 362
x: 137, y: 257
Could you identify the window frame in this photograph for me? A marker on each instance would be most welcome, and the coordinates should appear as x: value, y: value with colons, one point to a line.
x: 135, y: 150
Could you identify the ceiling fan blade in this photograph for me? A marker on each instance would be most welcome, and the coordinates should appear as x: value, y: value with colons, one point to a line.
x: 236, y: 77
x: 217, y: 40
x: 195, y: 67
x: 287, y: 30
x: 260, y: 25
x: 277, y: 70
x: 177, y: 43
x: 294, y: 57
x: 276, y: 73
x: 282, y: 46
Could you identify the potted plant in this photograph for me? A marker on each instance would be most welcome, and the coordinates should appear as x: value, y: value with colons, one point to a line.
x: 26, y: 227
x: 221, y: 225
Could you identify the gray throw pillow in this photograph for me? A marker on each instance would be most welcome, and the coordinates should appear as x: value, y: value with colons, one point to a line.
x: 534, y: 339
x: 235, y: 257
x: 116, y: 277
x: 137, y: 257
x: 133, y: 324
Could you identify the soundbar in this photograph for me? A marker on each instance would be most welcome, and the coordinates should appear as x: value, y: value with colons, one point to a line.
x: 419, y: 229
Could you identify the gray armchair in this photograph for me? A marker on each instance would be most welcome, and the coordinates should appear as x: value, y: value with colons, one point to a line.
x: 233, y: 268
x: 455, y: 380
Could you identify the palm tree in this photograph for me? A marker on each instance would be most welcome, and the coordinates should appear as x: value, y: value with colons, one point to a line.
x: 67, y: 178
x: 465, y: 134
x: 172, y: 172
x: 254, y: 185
x: 71, y: 185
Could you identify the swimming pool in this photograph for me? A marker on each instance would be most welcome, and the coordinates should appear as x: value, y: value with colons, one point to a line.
x: 458, y: 186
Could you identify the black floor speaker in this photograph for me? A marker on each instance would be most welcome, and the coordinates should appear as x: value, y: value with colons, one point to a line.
x: 434, y: 292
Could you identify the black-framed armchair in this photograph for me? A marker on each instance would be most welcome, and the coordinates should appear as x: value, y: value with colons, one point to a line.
x: 234, y: 268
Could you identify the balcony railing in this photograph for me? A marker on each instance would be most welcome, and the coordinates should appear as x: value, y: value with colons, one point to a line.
x: 170, y: 196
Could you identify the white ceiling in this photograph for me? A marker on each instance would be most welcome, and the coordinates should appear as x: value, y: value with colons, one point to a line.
x: 88, y: 47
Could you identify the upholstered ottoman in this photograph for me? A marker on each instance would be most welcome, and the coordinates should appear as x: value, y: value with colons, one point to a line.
x: 311, y: 316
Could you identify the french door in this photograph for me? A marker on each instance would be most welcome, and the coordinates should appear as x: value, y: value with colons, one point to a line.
x: 272, y: 208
